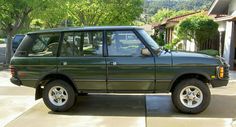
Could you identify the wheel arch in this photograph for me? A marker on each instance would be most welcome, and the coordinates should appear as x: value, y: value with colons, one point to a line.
x: 201, y: 76
x: 51, y: 77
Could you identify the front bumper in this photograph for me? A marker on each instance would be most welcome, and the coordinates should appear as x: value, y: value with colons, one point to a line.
x: 224, y: 81
x: 15, y: 81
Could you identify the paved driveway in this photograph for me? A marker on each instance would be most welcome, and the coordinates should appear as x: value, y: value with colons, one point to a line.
x: 111, y: 110
x: 13, y: 100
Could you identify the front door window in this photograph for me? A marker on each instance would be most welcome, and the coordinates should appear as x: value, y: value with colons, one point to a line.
x: 123, y: 43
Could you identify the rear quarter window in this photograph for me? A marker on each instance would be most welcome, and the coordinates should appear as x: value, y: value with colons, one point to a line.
x: 39, y: 45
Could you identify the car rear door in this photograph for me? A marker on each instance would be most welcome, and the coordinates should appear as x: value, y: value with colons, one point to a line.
x: 127, y: 69
x: 81, y: 59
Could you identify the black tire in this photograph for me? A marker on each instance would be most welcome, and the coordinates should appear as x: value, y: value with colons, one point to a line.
x: 68, y: 92
x: 200, y: 105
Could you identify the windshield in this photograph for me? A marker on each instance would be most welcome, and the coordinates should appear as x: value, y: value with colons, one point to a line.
x: 149, y: 40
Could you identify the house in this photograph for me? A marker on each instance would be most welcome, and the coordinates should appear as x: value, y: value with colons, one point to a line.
x: 168, y: 27
x: 147, y: 28
x: 227, y: 27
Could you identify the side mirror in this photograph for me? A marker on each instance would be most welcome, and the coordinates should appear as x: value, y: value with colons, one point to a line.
x: 145, y: 52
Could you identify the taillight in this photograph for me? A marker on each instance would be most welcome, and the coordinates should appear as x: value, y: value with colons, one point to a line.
x: 221, y: 72
x: 12, y: 70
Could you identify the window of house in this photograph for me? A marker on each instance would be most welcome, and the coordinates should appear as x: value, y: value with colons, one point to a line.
x: 82, y: 44
x: 123, y: 43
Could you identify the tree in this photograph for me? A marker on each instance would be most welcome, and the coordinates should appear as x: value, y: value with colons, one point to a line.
x: 89, y: 13
x: 13, y: 15
x: 53, y: 14
x: 104, y: 12
x: 152, y: 6
x: 163, y: 14
x: 198, y: 27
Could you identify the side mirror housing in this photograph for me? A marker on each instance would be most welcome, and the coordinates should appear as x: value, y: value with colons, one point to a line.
x: 145, y: 52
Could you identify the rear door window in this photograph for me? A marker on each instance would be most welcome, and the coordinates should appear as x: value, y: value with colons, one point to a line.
x: 82, y: 44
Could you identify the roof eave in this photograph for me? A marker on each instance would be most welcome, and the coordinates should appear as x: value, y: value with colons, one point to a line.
x: 212, y: 6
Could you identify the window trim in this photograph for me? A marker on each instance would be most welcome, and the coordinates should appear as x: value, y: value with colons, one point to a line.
x: 137, y: 35
x: 62, y: 37
x: 47, y: 33
x: 60, y: 44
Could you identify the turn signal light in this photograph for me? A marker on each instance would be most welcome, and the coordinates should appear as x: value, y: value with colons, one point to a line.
x: 221, y: 72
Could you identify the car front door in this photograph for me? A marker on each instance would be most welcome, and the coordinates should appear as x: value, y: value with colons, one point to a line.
x: 128, y: 70
x: 81, y: 59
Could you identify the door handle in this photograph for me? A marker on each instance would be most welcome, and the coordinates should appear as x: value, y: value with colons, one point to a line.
x: 113, y: 63
x: 64, y: 63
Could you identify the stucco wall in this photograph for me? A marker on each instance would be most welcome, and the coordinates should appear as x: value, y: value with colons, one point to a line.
x: 229, y: 44
x: 232, y: 8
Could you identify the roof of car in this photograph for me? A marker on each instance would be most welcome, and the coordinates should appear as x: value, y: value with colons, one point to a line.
x: 86, y: 28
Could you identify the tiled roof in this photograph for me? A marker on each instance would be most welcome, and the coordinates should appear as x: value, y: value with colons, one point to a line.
x: 175, y: 19
x: 225, y: 18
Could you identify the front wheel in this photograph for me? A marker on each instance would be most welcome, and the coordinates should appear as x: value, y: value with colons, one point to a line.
x: 191, y: 96
x: 58, y: 96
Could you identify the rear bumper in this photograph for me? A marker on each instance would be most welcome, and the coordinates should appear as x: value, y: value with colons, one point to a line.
x: 15, y: 81
x: 219, y: 82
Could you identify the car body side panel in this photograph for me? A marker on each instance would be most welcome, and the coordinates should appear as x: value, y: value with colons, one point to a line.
x: 31, y: 69
x: 88, y: 73
x: 164, y: 71
x: 131, y: 74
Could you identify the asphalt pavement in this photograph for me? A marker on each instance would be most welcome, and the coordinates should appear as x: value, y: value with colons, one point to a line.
x: 18, y: 109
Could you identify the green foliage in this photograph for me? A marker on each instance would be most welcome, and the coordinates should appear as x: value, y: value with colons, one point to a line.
x: 159, y: 38
x: 2, y: 41
x: 104, y: 12
x: 138, y: 23
x: 54, y: 13
x: 89, y: 13
x: 198, y: 27
x: 152, y: 6
x: 163, y: 14
x: 14, y: 14
x: 172, y: 45
x: 210, y: 52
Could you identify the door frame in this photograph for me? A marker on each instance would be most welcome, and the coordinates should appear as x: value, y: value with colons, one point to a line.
x: 142, y: 41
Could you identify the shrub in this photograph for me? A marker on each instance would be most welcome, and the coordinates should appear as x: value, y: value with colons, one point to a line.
x: 198, y: 27
x: 2, y: 41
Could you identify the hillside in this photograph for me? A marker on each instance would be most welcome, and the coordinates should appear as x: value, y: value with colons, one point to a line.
x: 152, y: 6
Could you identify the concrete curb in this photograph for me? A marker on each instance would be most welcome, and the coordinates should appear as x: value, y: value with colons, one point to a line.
x: 232, y: 81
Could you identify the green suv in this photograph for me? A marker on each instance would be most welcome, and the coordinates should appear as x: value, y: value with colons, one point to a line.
x: 63, y: 63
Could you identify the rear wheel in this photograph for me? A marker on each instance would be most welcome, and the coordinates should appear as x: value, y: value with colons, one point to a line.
x: 191, y: 96
x: 58, y: 96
